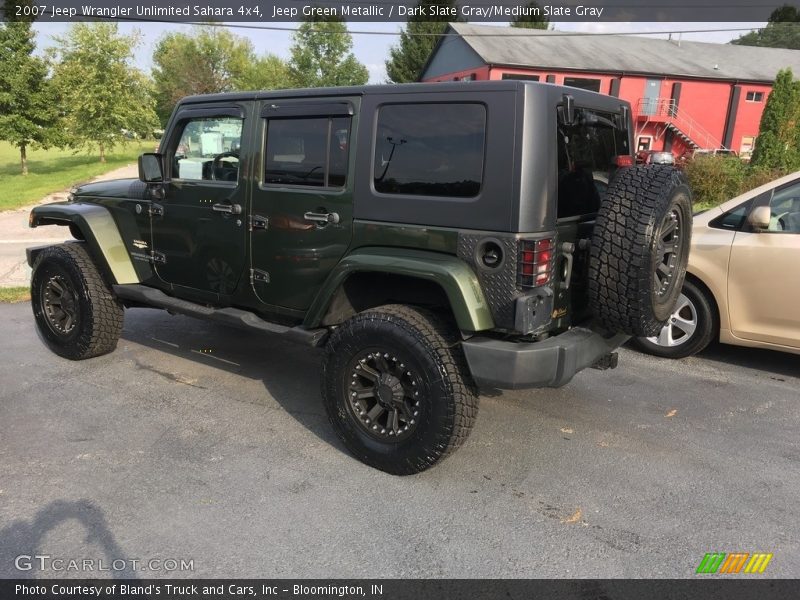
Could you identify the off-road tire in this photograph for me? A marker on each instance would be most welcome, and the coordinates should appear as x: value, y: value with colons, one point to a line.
x: 426, y: 348
x: 706, y: 329
x: 625, y: 292
x: 98, y: 319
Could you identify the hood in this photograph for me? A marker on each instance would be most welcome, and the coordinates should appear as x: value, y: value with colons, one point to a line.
x: 115, y: 188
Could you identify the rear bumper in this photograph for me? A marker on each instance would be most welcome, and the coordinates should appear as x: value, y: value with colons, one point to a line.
x: 549, y: 363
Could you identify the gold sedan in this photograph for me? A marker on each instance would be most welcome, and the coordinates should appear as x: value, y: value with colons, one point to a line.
x: 743, y: 279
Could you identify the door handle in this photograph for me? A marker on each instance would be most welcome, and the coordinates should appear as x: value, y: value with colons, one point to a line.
x: 231, y: 209
x: 322, y: 218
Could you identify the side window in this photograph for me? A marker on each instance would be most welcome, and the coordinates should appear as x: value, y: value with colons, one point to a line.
x: 785, y: 210
x: 307, y: 152
x: 208, y: 149
x: 587, y: 152
x: 430, y: 149
x: 733, y: 219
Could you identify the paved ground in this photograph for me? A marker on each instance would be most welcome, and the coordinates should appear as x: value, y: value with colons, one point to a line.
x: 196, y: 442
x: 15, y: 235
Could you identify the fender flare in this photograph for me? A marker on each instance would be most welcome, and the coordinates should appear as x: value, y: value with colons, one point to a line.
x: 453, y: 275
x: 100, y: 232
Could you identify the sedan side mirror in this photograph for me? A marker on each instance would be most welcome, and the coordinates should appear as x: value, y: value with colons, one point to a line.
x: 759, y: 218
x: 151, y: 169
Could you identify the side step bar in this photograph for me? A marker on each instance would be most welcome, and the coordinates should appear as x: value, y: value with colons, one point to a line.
x: 229, y: 316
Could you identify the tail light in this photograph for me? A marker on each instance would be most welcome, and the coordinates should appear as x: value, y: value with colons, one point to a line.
x: 623, y: 160
x: 535, y: 266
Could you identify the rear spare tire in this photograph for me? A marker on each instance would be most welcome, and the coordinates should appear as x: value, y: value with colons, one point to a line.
x: 640, y: 246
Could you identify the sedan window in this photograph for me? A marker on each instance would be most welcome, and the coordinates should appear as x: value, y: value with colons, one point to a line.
x: 785, y: 210
x: 733, y: 219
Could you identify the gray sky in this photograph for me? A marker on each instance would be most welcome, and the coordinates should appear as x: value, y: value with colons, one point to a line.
x: 372, y: 50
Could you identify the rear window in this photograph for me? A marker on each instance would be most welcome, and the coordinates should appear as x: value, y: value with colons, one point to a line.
x: 430, y: 149
x: 586, y: 160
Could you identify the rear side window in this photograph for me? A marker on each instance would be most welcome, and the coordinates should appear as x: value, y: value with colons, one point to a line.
x: 587, y: 152
x: 430, y: 149
x: 307, y: 152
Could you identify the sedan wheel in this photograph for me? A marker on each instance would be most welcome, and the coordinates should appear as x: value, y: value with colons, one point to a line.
x: 681, y: 325
x: 690, y: 327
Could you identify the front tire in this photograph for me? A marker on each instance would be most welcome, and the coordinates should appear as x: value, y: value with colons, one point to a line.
x: 76, y: 312
x: 690, y: 328
x: 397, y: 390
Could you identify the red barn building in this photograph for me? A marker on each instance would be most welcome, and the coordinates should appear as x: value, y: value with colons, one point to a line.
x: 685, y: 95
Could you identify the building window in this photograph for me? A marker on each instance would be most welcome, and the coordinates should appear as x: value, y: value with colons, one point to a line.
x: 307, y: 152
x: 755, y: 97
x: 520, y: 77
x: 593, y: 85
x: 430, y: 149
x: 748, y: 143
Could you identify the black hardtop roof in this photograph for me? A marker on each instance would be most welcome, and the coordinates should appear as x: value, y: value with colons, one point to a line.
x: 391, y: 89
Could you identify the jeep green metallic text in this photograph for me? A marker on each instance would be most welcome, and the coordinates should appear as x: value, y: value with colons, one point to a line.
x: 434, y: 239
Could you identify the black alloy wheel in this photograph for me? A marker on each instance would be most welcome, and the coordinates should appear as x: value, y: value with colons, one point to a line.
x: 384, y: 395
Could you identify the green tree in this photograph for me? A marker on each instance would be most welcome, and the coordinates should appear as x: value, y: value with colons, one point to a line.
x: 27, y: 106
x: 102, y: 94
x: 531, y: 21
x: 779, y: 132
x: 210, y: 60
x: 417, y: 41
x: 269, y: 72
x: 322, y: 56
x: 782, y: 31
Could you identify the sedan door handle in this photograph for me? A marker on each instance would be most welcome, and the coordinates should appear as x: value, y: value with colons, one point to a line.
x: 231, y: 209
x: 322, y: 218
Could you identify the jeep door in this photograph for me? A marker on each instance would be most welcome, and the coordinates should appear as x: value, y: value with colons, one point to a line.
x: 302, y: 207
x: 199, y: 234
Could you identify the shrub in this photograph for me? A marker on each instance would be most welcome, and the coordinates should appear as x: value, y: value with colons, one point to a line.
x: 717, y: 179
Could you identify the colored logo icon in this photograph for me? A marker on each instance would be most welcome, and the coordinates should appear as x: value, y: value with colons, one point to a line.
x: 734, y: 562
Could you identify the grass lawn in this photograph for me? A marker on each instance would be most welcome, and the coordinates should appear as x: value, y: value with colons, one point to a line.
x: 14, y: 294
x: 55, y: 170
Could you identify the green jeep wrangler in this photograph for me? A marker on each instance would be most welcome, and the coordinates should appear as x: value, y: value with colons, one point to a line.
x: 434, y: 239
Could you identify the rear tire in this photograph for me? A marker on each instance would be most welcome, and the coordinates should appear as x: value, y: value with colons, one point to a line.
x: 690, y: 329
x: 76, y: 312
x: 397, y: 390
x: 640, y: 247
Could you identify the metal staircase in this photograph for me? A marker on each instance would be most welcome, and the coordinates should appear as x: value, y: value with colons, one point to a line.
x: 666, y: 113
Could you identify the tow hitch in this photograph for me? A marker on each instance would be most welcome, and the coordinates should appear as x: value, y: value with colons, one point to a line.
x: 607, y: 361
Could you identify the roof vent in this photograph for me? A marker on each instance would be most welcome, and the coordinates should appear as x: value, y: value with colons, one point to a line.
x: 716, y: 67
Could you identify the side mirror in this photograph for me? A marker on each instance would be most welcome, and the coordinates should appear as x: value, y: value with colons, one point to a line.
x: 759, y: 218
x: 151, y: 168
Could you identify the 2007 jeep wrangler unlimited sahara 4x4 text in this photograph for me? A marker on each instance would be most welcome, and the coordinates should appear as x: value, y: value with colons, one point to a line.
x: 435, y: 239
